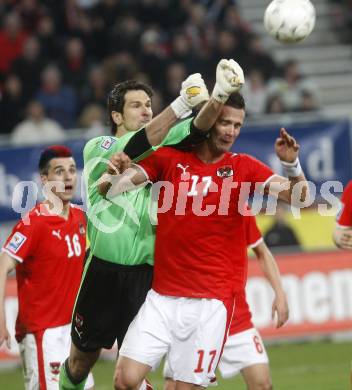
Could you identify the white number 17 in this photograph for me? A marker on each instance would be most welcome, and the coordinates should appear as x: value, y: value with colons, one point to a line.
x: 193, y: 191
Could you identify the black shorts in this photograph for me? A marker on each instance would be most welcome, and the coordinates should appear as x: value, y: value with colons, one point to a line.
x: 109, y: 298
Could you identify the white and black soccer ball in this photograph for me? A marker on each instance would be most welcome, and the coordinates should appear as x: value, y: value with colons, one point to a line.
x: 289, y: 21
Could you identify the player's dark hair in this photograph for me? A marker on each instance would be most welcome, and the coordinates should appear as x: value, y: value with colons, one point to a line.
x: 116, y: 99
x: 53, y: 151
x: 236, y: 100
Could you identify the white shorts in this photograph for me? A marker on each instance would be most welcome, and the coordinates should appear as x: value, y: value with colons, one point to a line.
x: 190, y: 331
x: 42, y: 354
x: 242, y: 350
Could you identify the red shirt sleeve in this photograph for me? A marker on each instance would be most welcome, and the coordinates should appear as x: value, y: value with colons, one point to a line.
x: 257, y: 172
x: 154, y: 165
x: 21, y: 242
x: 253, y: 234
x: 344, y: 217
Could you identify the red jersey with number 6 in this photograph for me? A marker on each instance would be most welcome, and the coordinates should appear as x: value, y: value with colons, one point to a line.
x: 242, y: 318
x: 200, y: 227
x: 50, y: 252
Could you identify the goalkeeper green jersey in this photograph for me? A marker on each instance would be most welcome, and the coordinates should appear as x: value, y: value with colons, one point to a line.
x: 121, y: 231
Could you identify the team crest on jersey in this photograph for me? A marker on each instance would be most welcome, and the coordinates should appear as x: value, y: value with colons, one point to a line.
x: 82, y: 230
x: 107, y: 143
x: 225, y: 171
x: 55, y: 368
x: 16, y: 242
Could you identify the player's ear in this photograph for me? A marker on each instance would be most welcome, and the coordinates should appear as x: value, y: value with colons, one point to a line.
x: 117, y: 117
x: 43, y: 178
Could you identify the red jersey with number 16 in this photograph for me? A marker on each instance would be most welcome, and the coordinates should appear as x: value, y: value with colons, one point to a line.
x: 198, y: 218
x: 50, y: 252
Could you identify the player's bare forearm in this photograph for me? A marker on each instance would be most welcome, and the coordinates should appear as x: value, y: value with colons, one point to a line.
x: 295, y: 189
x: 269, y: 267
x: 271, y: 271
x: 7, y: 264
x: 118, y: 163
x: 158, y: 128
x: 104, y: 184
x: 129, y: 180
x: 207, y: 116
x: 299, y: 196
x: 292, y: 190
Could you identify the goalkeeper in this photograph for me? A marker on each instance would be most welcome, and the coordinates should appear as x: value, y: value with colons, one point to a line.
x: 118, y: 272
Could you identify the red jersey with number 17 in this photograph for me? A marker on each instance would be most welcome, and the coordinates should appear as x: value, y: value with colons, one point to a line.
x: 198, y: 218
x: 50, y: 252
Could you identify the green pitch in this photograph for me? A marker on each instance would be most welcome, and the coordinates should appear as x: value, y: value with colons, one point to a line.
x: 309, y: 366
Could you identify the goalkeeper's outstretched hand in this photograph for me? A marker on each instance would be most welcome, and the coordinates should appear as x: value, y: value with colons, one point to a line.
x: 229, y: 79
x: 193, y: 92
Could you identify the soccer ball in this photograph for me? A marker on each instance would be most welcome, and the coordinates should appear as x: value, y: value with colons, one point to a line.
x: 289, y: 21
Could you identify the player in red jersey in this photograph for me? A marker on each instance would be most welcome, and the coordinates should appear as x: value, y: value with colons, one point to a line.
x: 244, y: 351
x: 187, y: 312
x: 342, y: 234
x: 46, y: 248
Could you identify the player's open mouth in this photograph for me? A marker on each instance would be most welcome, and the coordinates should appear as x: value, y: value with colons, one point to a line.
x: 68, y: 188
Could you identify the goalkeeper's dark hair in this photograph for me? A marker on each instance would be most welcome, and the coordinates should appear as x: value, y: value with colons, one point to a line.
x: 116, y: 99
x: 236, y: 100
x: 53, y: 151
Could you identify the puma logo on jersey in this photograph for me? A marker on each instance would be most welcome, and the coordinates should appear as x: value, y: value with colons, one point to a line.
x: 56, y: 233
x: 182, y: 167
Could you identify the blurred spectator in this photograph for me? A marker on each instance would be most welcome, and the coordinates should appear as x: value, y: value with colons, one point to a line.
x: 255, y: 93
x: 341, y: 16
x: 227, y: 46
x: 11, y: 104
x: 280, y: 234
x: 151, y: 56
x: 96, y: 90
x: 157, y: 102
x: 119, y: 67
x: 92, y: 121
x: 196, y: 27
x: 74, y: 65
x: 233, y: 20
x: 181, y: 51
x: 48, y: 38
x: 175, y: 74
x: 36, y: 128
x: 307, y: 102
x: 28, y: 67
x: 30, y: 12
x: 59, y: 101
x: 291, y: 86
x: 274, y: 105
x: 12, y: 39
x: 87, y: 4
x: 125, y: 35
x: 257, y: 57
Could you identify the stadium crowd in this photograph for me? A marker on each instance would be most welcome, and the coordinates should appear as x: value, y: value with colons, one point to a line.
x: 65, y: 55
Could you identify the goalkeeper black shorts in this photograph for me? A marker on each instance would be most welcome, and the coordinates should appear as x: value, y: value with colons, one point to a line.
x: 109, y: 298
